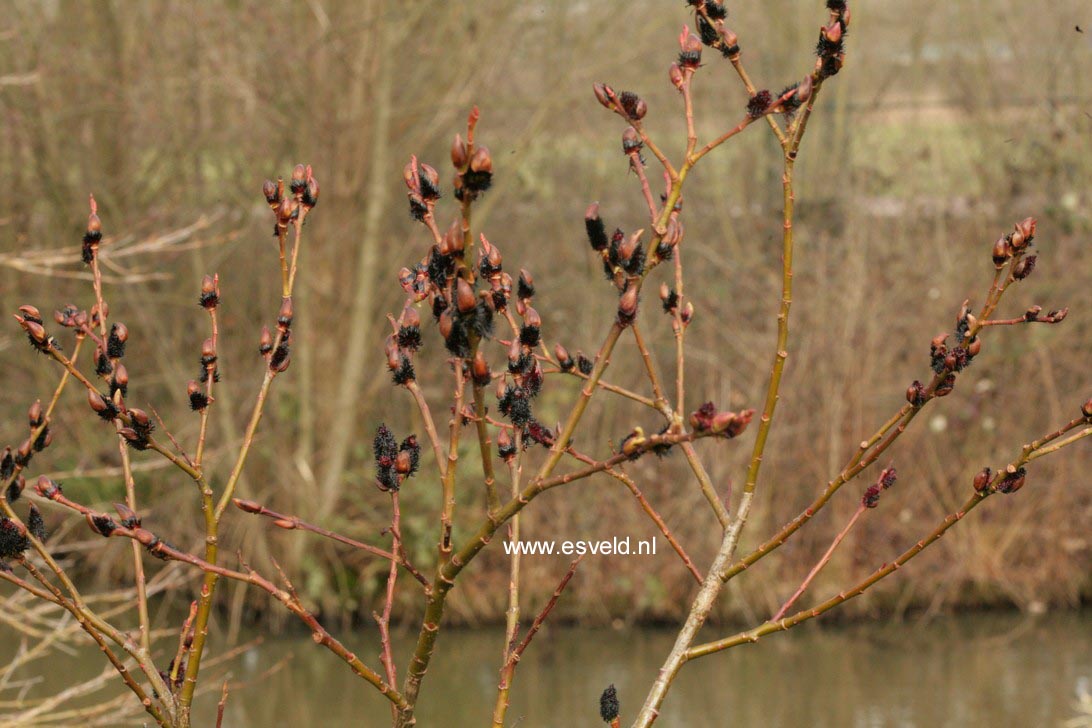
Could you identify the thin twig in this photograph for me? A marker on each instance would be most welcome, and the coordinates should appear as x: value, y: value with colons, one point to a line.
x: 516, y: 653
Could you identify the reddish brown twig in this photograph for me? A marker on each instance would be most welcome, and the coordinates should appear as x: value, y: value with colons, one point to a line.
x: 80, y: 614
x: 290, y: 523
x: 1007, y: 479
x: 320, y: 635
x: 823, y: 560
x: 516, y: 653
x: 621, y: 477
x: 386, y: 656
x: 221, y: 705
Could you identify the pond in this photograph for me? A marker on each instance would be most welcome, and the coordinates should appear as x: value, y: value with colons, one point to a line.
x: 996, y: 670
x: 971, y: 670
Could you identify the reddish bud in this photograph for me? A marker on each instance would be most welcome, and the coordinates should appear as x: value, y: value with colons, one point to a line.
x: 47, y: 488
x: 674, y: 233
x: 98, y: 404
x: 701, y: 419
x: 833, y: 32
x: 284, y: 212
x: 247, y: 506
x: 409, y: 175
x: 95, y: 312
x: 531, y: 317
x: 394, y: 354
x: 731, y: 42
x: 198, y: 399
x: 804, y: 90
x: 210, y: 291
x: 627, y: 305
x: 431, y: 176
x: 94, y: 224
x: 265, y: 341
x: 479, y: 370
x: 740, y: 422
x: 871, y: 497
x: 140, y: 418
x: 128, y: 516
x: 452, y: 241
x: 403, y: 462
x: 299, y: 173
x: 678, y: 80
x: 628, y: 247
x: 982, y: 479
x: 1026, y: 228
x: 465, y: 298
x: 504, y: 445
x: 690, y: 47
x: 482, y: 161
x: 1002, y: 251
x: 35, y: 415
x: 946, y: 386
x: 592, y: 212
x: 603, y: 94
x: 458, y: 152
x: 120, y: 381
x: 526, y: 284
x: 490, y: 255
x: 446, y: 323
x: 1012, y: 481
x: 284, y: 316
x: 722, y: 421
x: 280, y: 361
x: 35, y: 330
x: 271, y: 193
x: 311, y: 195
x: 131, y: 435
x: 563, y: 359
x: 687, y: 313
x: 410, y: 316
x: 1024, y: 267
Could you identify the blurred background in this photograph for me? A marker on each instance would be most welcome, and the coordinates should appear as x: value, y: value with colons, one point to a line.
x: 950, y: 122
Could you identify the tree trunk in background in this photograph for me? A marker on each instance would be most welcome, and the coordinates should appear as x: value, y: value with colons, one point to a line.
x: 342, y: 429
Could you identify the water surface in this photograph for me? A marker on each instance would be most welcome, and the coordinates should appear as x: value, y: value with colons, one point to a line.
x: 991, y: 670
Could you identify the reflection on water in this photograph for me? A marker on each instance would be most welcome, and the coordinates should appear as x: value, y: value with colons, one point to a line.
x: 1000, y: 671
x: 977, y: 670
